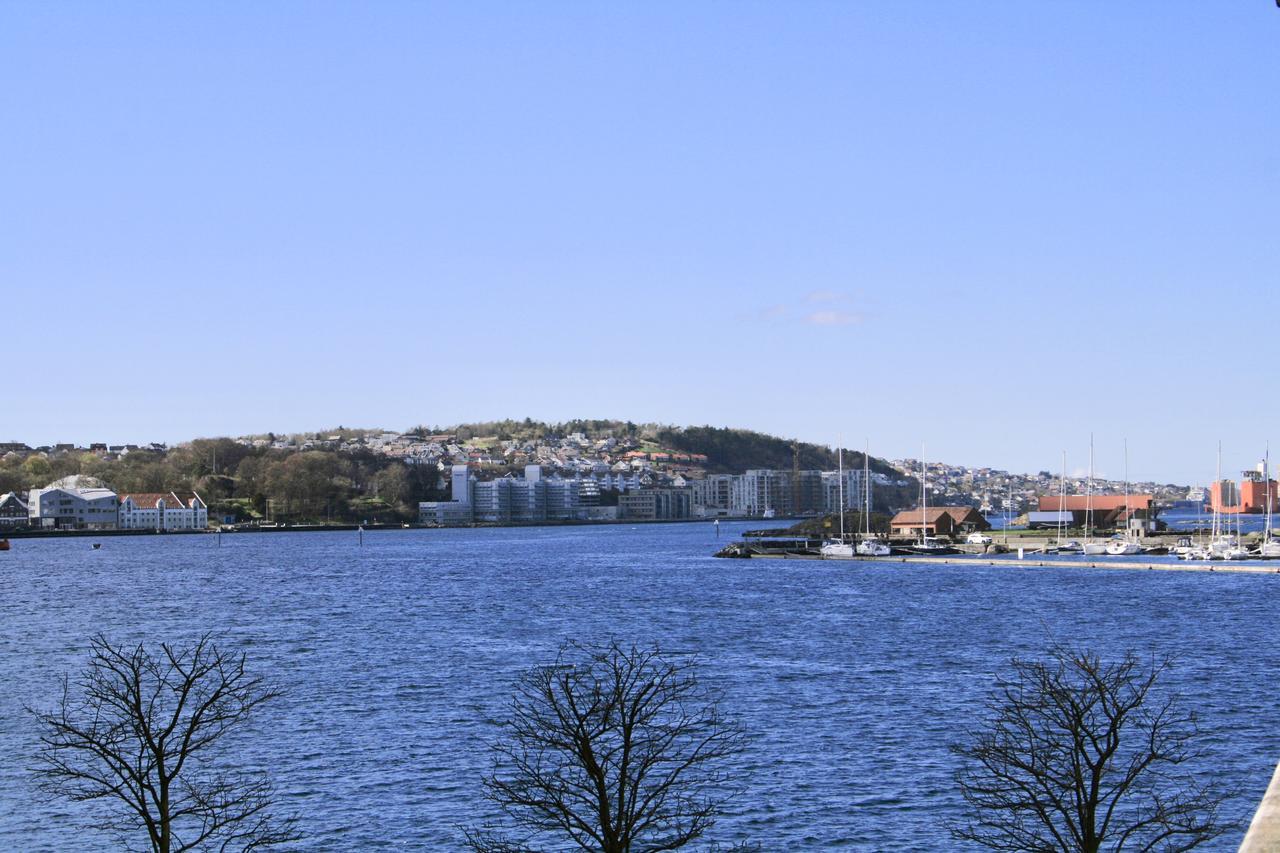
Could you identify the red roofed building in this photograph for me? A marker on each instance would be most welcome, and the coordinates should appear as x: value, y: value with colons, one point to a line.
x: 163, y: 511
x: 1100, y: 503
x: 938, y: 521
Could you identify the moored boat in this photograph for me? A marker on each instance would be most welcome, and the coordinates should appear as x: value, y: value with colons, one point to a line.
x: 927, y: 546
x: 873, y: 548
x: 1122, y: 548
x: 871, y: 545
x: 839, y: 547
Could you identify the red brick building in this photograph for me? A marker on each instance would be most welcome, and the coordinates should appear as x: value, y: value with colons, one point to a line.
x: 1249, y: 497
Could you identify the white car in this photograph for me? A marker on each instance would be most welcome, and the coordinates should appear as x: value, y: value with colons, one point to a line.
x: 977, y: 539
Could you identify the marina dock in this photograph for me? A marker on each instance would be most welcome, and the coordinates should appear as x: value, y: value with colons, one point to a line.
x: 1255, y: 567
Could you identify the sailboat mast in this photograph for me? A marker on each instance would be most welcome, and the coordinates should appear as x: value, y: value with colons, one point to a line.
x: 1266, y: 475
x: 866, y: 484
x: 1008, y: 514
x: 1217, y: 505
x: 1088, y: 496
x: 1062, y: 500
x: 840, y: 463
x: 924, y: 498
x: 1128, y: 526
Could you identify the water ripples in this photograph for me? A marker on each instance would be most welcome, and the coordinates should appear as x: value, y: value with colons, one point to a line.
x: 397, y: 660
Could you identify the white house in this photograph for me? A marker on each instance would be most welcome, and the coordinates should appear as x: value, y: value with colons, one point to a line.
x: 74, y: 502
x: 163, y: 511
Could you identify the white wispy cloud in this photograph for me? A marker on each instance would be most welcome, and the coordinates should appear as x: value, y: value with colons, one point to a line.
x: 815, y: 308
x: 832, y: 318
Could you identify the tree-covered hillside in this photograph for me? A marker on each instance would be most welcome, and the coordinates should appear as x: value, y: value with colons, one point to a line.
x: 732, y: 451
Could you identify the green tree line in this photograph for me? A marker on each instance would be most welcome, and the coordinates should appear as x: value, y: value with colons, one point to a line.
x: 247, y: 482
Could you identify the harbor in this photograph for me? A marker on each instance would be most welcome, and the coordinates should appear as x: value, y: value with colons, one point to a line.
x: 1261, y: 567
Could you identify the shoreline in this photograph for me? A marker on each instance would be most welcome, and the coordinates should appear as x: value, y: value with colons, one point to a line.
x: 339, y: 528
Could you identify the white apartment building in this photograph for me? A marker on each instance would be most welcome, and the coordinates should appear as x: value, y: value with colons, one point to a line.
x: 163, y: 511
x: 854, y: 489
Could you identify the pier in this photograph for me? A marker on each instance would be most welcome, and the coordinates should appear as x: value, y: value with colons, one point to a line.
x: 1253, y: 567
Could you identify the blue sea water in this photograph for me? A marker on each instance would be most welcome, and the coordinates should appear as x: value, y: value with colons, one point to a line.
x: 397, y: 659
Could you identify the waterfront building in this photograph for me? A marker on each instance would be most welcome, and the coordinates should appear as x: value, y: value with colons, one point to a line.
x: 1053, y: 519
x: 1249, y: 497
x: 163, y: 511
x: 712, y: 495
x: 444, y: 513
x: 808, y: 493
x: 460, y: 483
x: 533, y: 497
x: 938, y: 521
x: 655, y: 504
x: 76, y: 502
x: 1099, y: 503
x: 13, y: 511
x: 761, y: 491
x: 854, y: 490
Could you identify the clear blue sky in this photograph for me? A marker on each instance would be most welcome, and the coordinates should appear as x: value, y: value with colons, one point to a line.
x: 991, y: 227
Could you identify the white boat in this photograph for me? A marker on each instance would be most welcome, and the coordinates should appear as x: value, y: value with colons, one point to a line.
x: 1060, y: 546
x: 872, y: 548
x: 1198, y: 553
x: 1122, y: 548
x: 1090, y: 548
x: 1270, y: 547
x: 1185, y: 546
x: 838, y: 548
x: 1128, y: 544
x: 1222, y: 545
x: 871, y: 545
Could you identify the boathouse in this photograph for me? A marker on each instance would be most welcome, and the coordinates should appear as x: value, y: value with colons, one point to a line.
x: 938, y: 521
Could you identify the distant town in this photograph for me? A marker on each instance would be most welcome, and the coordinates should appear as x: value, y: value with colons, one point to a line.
x: 513, y: 472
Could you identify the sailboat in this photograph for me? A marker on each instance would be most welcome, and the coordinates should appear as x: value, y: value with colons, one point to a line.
x: 1205, y: 551
x: 1071, y: 547
x: 871, y: 545
x: 1129, y: 545
x: 1270, y: 547
x: 840, y: 548
x: 1090, y: 548
x: 1222, y: 545
x: 926, y: 544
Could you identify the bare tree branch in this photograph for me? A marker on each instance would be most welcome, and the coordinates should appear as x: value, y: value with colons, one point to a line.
x: 143, y: 734
x: 616, y: 749
x: 1080, y: 754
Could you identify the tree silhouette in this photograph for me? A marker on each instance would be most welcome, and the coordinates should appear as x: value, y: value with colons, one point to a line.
x: 1081, y: 755
x: 144, y: 734
x: 614, y: 749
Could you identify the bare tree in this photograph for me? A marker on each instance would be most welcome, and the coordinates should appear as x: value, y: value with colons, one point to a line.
x: 616, y: 749
x: 1081, y: 755
x: 144, y: 734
